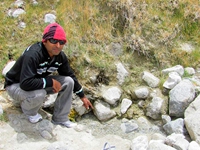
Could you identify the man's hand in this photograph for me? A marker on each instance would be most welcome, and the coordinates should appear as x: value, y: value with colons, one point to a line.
x: 87, y: 103
x: 56, y: 86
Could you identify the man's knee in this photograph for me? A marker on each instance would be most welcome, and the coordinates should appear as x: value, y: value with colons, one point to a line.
x: 69, y: 81
x: 40, y: 94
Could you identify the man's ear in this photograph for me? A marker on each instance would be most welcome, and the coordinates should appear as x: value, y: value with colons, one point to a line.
x: 44, y: 42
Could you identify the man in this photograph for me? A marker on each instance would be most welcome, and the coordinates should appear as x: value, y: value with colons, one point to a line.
x: 31, y: 78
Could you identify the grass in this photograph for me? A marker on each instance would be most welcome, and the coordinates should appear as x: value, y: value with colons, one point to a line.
x: 3, y: 118
x: 93, y: 25
x: 176, y: 25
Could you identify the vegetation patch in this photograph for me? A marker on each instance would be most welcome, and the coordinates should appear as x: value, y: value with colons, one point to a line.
x: 147, y: 30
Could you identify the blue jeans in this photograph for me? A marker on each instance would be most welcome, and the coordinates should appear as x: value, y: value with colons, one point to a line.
x: 32, y: 101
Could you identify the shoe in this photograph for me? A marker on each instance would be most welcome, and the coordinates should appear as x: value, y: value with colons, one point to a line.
x: 67, y: 124
x: 35, y: 119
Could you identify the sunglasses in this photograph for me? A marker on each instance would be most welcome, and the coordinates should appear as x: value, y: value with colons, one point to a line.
x: 54, y: 41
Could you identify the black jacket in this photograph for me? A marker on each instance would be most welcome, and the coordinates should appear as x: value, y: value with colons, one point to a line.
x: 33, y: 67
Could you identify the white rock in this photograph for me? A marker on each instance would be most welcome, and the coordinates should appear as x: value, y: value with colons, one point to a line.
x: 103, y: 111
x: 180, y: 97
x: 22, y: 25
x: 186, y: 47
x: 139, y: 143
x: 126, y: 103
x: 178, y: 68
x: 19, y: 3
x: 173, y: 79
x: 8, y: 66
x: 1, y: 110
x: 142, y: 92
x: 122, y: 73
x: 18, y: 12
x: 150, y: 79
x: 193, y: 146
x: 111, y: 95
x: 192, y: 123
x: 154, y: 109
x: 49, y: 18
x: 158, y: 145
x: 190, y: 70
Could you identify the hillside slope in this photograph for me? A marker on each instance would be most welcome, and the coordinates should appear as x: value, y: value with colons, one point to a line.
x: 151, y: 31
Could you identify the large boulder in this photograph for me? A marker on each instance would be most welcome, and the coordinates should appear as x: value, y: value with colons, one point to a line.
x: 180, y: 97
x: 192, y: 121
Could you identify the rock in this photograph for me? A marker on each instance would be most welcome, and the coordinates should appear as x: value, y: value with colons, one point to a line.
x: 103, y: 111
x: 143, y: 124
x: 112, y: 95
x: 177, y: 141
x: 16, y: 13
x: 7, y: 67
x: 1, y: 110
x: 129, y: 126
x: 93, y: 79
x: 122, y: 73
x: 21, y: 138
x: 178, y: 68
x: 190, y: 70
x: 150, y: 79
x: 141, y: 103
x: 186, y: 47
x: 34, y: 2
x: 193, y: 107
x: 22, y: 25
x: 193, y: 146
x: 158, y: 136
x: 166, y: 119
x: 50, y: 100
x: 19, y: 3
x: 49, y: 18
x: 191, y: 122
x: 173, y: 79
x: 79, y: 107
x: 175, y: 126
x: 139, y: 143
x: 45, y: 128
x: 115, y: 49
x: 46, y: 135
x: 180, y: 97
x: 126, y: 103
x: 142, y: 92
x: 158, y: 145
x: 155, y: 93
x: 154, y: 109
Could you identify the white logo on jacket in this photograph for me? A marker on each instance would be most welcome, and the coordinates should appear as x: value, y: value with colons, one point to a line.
x: 44, y: 67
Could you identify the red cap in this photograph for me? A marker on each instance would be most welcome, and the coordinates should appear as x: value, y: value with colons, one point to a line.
x: 55, y: 31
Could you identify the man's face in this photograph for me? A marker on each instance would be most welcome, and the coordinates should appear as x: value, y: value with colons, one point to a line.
x: 53, y: 46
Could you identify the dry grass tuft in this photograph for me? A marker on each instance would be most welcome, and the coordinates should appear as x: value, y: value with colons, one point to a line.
x: 150, y: 28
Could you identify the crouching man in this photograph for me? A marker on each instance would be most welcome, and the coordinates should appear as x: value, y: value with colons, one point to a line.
x: 31, y: 79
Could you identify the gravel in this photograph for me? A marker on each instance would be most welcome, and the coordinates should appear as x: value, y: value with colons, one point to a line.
x: 113, y: 127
